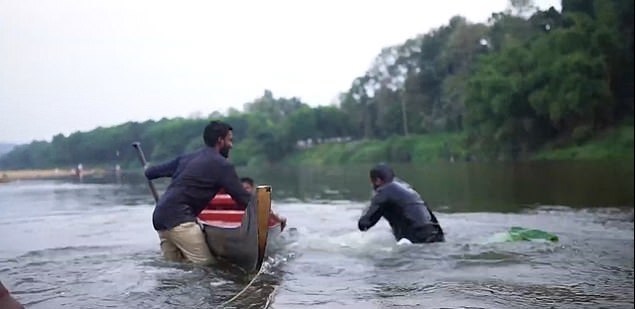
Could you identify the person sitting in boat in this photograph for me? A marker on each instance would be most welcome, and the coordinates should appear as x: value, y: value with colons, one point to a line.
x: 196, y: 178
x: 248, y: 185
x: 407, y: 214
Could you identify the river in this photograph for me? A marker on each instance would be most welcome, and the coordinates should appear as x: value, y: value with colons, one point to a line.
x: 90, y: 243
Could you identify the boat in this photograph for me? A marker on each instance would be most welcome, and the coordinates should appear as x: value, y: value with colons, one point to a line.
x: 7, y: 301
x: 241, y: 236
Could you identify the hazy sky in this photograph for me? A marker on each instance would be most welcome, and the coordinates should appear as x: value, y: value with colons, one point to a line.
x: 74, y: 65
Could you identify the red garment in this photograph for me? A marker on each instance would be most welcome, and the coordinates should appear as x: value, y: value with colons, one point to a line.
x: 223, y: 201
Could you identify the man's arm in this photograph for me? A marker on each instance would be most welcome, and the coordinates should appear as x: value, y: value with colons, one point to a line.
x: 279, y: 218
x: 166, y: 169
x: 232, y: 185
x: 373, y: 213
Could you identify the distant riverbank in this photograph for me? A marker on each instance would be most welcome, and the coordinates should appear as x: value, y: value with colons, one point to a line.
x: 12, y: 175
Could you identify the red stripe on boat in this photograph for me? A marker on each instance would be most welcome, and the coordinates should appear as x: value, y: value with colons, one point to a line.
x: 222, y: 211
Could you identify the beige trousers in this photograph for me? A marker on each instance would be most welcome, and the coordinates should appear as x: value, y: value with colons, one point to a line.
x: 185, y: 242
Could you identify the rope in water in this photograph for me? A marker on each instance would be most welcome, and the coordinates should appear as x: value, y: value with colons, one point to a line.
x: 244, y: 289
x: 270, y: 298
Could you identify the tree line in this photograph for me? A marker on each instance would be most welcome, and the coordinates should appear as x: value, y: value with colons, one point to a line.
x: 525, y: 79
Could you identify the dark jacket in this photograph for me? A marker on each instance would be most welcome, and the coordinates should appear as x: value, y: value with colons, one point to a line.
x: 407, y: 214
x: 196, y: 179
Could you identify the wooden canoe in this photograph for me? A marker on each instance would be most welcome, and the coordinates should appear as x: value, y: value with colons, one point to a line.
x: 240, y: 236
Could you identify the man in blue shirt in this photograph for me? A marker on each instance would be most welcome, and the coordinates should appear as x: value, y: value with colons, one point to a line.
x: 196, y: 179
x: 404, y: 209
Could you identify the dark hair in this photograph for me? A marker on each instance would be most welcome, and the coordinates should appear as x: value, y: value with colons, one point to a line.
x: 248, y: 180
x: 214, y: 131
x: 383, y: 172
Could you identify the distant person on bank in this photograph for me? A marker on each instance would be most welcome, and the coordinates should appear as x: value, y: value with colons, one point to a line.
x: 408, y: 215
x: 248, y: 185
x: 196, y: 179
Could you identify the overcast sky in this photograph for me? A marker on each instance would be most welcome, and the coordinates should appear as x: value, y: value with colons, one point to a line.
x: 74, y: 65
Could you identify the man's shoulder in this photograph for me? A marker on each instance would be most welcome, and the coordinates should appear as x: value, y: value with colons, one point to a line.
x: 206, y: 154
x: 390, y: 186
x: 402, y: 185
x: 382, y: 193
x: 396, y: 188
x: 218, y: 160
x: 225, y: 163
x: 191, y: 154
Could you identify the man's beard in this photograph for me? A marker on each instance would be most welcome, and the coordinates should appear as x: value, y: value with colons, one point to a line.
x: 225, y: 151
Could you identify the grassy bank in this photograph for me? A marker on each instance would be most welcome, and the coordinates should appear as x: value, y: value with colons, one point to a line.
x: 417, y: 148
x: 617, y: 143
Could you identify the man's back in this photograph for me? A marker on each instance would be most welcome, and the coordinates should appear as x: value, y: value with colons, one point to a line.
x: 196, y: 179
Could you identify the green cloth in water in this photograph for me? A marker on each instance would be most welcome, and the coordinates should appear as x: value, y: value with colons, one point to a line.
x: 517, y: 233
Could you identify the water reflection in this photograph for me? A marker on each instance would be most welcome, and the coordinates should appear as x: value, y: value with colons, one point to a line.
x: 500, y: 186
x: 448, y: 187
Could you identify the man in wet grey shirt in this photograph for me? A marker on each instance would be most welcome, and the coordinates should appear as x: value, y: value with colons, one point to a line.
x: 404, y: 209
x: 196, y: 179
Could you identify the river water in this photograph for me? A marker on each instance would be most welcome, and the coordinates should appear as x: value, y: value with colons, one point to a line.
x: 90, y: 243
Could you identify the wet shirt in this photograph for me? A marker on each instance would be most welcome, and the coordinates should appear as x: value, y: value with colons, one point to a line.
x: 196, y: 179
x: 406, y: 212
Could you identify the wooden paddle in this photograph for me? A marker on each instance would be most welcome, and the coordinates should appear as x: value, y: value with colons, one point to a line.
x: 142, y: 159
